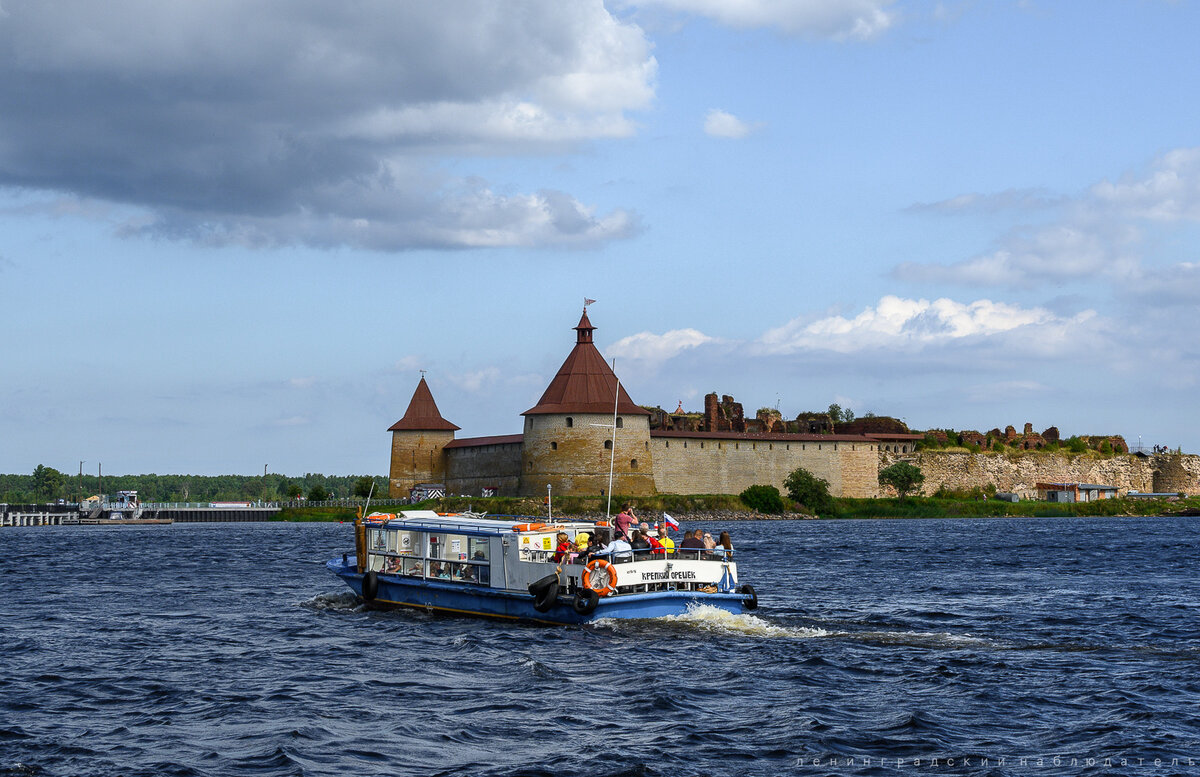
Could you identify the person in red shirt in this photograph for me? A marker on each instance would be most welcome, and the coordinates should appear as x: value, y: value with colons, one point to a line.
x: 656, y: 547
x: 563, y: 551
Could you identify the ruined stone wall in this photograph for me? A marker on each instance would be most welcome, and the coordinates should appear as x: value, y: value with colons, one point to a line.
x: 1020, y: 474
x: 470, y: 470
x: 708, y: 466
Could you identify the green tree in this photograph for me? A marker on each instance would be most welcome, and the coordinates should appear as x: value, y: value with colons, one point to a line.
x: 363, y: 486
x: 764, y: 499
x: 47, y: 482
x: 294, y: 490
x: 810, y: 491
x: 902, y: 476
x: 317, y: 494
x: 1076, y: 445
x: 835, y: 413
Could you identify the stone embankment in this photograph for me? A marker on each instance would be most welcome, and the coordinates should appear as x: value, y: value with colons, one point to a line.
x: 1021, y: 472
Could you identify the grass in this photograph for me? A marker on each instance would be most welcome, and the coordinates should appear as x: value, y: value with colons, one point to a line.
x: 910, y: 507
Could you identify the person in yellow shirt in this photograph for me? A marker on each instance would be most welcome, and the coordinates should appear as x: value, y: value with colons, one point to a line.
x: 665, y: 540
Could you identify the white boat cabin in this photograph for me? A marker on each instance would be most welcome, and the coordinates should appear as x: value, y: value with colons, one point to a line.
x: 469, y: 549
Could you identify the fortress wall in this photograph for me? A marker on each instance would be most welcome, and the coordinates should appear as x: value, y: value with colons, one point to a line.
x: 1020, y: 474
x: 470, y: 470
x: 708, y: 466
x: 573, y: 460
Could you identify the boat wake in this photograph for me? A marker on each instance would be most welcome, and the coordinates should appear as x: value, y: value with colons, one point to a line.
x: 339, y: 602
x: 714, y: 620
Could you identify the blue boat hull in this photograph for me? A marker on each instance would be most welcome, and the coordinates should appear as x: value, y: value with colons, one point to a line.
x: 466, y: 599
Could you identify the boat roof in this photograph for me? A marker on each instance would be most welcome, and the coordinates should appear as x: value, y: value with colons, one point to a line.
x: 468, y: 523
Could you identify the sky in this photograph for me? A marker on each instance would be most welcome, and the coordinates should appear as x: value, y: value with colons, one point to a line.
x: 234, y: 232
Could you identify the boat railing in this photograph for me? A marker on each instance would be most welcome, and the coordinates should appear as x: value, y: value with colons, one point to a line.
x: 627, y: 557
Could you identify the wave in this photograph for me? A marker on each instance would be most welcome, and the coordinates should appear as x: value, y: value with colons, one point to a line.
x: 346, y: 601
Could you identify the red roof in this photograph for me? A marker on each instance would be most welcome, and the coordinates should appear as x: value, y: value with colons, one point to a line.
x: 475, y: 442
x: 585, y: 383
x: 422, y: 414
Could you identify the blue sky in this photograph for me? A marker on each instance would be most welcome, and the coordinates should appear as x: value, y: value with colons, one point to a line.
x: 231, y: 234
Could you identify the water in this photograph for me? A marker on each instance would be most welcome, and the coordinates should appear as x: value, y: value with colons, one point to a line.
x: 228, y: 650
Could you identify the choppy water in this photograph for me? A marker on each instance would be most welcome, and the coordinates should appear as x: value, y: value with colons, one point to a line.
x: 228, y: 650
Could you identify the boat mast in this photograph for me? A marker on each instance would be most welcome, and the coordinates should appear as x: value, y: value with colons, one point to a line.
x: 613, y: 458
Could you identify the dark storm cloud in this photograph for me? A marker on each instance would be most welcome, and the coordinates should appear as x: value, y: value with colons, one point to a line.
x: 313, y: 122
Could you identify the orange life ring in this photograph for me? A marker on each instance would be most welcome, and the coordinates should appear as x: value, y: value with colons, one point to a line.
x: 529, y: 527
x: 609, y: 584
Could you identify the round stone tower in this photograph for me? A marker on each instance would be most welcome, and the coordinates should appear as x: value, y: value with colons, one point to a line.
x: 418, y: 440
x: 569, y: 438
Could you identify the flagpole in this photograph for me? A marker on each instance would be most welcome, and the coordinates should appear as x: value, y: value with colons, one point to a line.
x: 612, y: 459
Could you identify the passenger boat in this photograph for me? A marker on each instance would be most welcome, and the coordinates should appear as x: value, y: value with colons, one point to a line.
x: 505, y: 568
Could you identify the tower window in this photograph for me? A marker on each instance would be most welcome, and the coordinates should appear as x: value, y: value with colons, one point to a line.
x: 620, y: 422
x: 608, y: 445
x: 570, y: 422
x: 633, y: 463
x: 553, y: 446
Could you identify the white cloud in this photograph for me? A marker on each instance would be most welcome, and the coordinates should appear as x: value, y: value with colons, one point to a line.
x: 836, y: 19
x: 1170, y: 192
x: 270, y: 124
x: 719, y: 124
x: 1097, y: 235
x: 475, y: 380
x: 657, y: 348
x: 916, y: 324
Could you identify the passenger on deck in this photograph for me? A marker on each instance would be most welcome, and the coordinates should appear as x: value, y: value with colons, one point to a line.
x: 665, y: 540
x: 725, y: 544
x: 466, y: 573
x: 562, y: 550
x: 392, y: 565
x: 693, y: 541
x: 656, y: 547
x: 625, y: 521
x: 618, y: 549
x: 437, y: 570
x: 709, y: 542
x: 639, y: 545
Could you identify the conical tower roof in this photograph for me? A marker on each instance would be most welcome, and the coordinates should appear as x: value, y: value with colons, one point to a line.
x: 584, y: 383
x: 422, y: 414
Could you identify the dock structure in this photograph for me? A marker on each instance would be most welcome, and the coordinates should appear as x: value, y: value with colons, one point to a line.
x: 140, y: 513
x: 23, y: 518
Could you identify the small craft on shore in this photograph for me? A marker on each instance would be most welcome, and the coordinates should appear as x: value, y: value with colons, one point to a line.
x: 508, y: 567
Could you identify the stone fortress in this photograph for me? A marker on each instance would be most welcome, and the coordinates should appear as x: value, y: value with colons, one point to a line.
x: 568, y: 443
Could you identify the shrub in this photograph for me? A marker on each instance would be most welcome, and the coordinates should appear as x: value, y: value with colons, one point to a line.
x: 810, y: 491
x: 317, y: 494
x: 764, y: 499
x: 902, y: 476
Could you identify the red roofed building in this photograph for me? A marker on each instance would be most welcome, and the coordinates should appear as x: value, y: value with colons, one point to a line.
x: 568, y: 444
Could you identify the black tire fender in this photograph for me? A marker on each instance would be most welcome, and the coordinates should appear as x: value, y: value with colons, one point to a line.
x: 751, y: 600
x: 370, y: 585
x: 585, y: 601
x: 546, y: 597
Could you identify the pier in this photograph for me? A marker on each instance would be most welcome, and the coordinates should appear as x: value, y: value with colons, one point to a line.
x: 111, y: 514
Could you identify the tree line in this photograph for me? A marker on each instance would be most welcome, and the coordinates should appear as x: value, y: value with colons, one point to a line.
x: 46, y: 484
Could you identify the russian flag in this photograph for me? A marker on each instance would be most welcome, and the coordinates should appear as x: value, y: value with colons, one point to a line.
x: 670, y: 522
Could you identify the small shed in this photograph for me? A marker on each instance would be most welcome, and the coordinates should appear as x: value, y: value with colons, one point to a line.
x: 1075, y: 492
